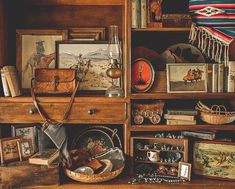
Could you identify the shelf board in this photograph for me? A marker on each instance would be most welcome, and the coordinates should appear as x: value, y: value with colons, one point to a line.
x: 161, y: 29
x: 74, y: 2
x: 159, y: 163
x: 181, y: 127
x: 182, y: 95
x: 145, y: 150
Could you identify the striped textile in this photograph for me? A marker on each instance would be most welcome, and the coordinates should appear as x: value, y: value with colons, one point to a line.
x: 213, y: 12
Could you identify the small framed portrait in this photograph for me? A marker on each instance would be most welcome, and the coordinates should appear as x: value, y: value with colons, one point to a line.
x: 35, y: 49
x: 184, y: 170
x: 89, y: 57
x: 25, y: 149
x: 26, y: 132
x: 142, y: 75
x: 9, y: 149
x: 154, y: 13
x: 87, y: 34
x: 187, y: 78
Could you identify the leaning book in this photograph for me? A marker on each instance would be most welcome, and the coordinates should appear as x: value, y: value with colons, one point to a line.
x: 45, y: 157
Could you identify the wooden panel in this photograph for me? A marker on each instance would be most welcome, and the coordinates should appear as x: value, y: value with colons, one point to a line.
x: 19, y: 113
x: 22, y: 174
x: 2, y: 35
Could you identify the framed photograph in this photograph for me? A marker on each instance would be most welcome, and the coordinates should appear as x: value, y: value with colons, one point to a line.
x: 184, y: 170
x: 87, y: 34
x: 80, y: 54
x: 26, y: 132
x: 154, y: 13
x: 142, y: 75
x: 35, y: 49
x: 25, y: 149
x: 214, y: 159
x: 187, y: 78
x: 9, y: 149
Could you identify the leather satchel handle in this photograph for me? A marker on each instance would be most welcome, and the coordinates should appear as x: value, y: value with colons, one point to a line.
x: 66, y: 114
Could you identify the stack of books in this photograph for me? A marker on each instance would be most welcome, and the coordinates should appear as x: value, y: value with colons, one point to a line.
x: 180, y: 117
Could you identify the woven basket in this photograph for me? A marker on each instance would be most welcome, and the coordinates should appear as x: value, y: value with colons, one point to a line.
x: 216, y: 119
x: 96, y: 178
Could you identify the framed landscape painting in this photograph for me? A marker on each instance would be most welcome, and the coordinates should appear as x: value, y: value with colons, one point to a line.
x: 186, y: 78
x: 86, y: 56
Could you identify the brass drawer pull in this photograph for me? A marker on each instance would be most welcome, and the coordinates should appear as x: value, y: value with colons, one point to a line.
x: 91, y: 112
x: 32, y: 111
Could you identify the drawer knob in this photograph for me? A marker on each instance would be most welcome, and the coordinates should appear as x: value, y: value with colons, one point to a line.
x: 32, y: 111
x: 90, y: 112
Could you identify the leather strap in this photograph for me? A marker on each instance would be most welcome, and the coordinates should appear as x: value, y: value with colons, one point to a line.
x: 48, y: 120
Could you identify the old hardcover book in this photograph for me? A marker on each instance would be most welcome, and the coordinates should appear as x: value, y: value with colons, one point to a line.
x: 189, y: 112
x: 207, y: 135
x: 220, y: 78
x: 135, y: 13
x: 176, y: 20
x: 45, y: 157
x: 231, y: 76
x: 5, y: 87
x: 180, y: 122
x: 215, y: 78
x: 179, y: 117
x: 12, y: 80
x: 143, y: 14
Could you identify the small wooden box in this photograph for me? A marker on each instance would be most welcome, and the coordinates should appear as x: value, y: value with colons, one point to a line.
x: 23, y: 174
x: 176, y: 20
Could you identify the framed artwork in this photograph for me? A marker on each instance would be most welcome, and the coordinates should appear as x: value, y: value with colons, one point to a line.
x: 214, y: 159
x: 142, y: 75
x: 184, y: 170
x: 35, y: 49
x: 154, y: 13
x: 87, y: 34
x: 90, y: 57
x: 25, y: 149
x: 9, y: 149
x: 186, y: 78
x: 26, y: 132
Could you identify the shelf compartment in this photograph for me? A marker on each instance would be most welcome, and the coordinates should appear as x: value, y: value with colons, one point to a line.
x: 182, y: 95
x: 181, y: 127
x: 161, y: 29
x: 75, y: 2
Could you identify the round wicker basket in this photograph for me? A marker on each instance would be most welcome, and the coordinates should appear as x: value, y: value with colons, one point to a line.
x: 216, y: 119
x: 96, y: 178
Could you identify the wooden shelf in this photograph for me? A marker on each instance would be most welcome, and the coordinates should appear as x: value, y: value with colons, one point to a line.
x: 145, y: 150
x: 161, y: 29
x: 159, y: 163
x: 181, y: 127
x: 182, y: 95
x: 75, y: 2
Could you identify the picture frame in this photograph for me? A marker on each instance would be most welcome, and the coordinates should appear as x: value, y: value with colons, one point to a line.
x: 73, y: 54
x: 154, y: 13
x: 25, y: 148
x: 26, y: 132
x: 35, y: 48
x: 142, y: 75
x: 184, y: 170
x: 87, y: 34
x: 9, y: 149
x: 214, y: 159
x: 187, y: 78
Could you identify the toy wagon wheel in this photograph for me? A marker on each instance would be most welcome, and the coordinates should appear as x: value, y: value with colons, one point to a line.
x: 155, y: 119
x: 138, y: 119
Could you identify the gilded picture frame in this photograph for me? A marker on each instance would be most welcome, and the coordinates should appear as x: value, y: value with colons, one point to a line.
x: 184, y: 170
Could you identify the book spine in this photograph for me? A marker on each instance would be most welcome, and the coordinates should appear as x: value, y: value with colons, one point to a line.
x: 220, y: 78
x: 180, y: 122
x: 231, y: 76
x: 5, y: 87
x: 209, y: 81
x: 215, y: 78
x: 225, y: 79
x: 206, y: 136
x: 179, y: 117
x: 143, y: 13
x: 12, y: 80
x: 182, y: 112
x: 134, y: 22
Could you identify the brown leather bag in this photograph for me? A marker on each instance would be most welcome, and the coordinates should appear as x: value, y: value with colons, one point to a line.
x: 54, y: 81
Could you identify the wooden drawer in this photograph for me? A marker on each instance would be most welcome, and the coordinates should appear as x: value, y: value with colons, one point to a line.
x: 80, y: 112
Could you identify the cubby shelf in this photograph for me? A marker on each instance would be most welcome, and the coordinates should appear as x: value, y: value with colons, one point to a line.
x: 181, y: 127
x: 182, y: 95
x: 161, y: 29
